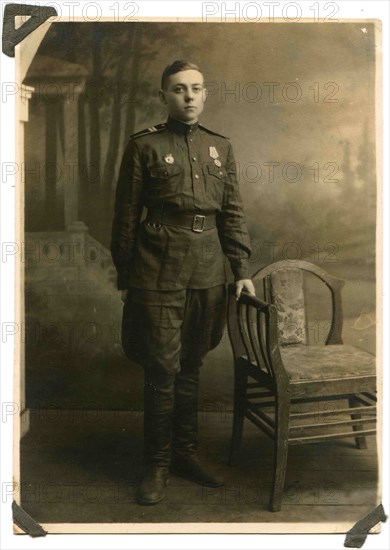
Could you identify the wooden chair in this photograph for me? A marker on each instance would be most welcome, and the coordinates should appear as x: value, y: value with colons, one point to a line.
x: 277, y: 372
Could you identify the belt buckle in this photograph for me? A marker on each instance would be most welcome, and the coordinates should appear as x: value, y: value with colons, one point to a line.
x: 198, y: 219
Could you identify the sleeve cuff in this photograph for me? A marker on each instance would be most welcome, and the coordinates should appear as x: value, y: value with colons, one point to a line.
x: 123, y: 281
x: 241, y: 272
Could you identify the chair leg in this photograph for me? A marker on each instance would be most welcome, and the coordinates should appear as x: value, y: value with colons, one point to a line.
x: 240, y: 382
x: 360, y: 441
x: 280, y: 458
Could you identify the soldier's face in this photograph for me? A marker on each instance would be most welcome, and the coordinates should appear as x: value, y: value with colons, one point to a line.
x: 184, y: 95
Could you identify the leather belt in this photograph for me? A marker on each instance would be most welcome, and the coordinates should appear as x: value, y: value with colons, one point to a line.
x: 189, y: 220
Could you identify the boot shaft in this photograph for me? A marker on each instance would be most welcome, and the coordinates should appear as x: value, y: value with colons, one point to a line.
x: 158, y: 414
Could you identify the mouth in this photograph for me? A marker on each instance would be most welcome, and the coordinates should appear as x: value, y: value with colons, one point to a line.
x: 190, y: 107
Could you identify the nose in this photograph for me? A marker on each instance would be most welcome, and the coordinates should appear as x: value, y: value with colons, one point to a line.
x: 189, y: 95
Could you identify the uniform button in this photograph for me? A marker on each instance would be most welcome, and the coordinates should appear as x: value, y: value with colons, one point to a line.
x: 196, y: 176
x: 194, y: 159
x: 190, y: 139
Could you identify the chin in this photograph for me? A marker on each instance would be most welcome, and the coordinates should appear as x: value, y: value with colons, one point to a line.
x: 192, y: 115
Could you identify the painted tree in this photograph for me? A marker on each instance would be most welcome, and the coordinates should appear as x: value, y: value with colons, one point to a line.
x: 118, y: 95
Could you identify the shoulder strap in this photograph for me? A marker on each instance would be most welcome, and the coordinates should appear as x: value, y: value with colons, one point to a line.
x: 148, y: 131
x: 212, y: 131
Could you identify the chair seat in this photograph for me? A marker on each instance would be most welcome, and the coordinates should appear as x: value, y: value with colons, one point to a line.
x: 326, y: 362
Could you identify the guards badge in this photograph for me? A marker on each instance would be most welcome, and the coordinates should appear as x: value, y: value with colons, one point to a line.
x: 169, y: 159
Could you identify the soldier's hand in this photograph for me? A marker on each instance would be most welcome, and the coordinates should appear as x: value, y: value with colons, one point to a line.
x: 246, y: 284
x: 124, y: 295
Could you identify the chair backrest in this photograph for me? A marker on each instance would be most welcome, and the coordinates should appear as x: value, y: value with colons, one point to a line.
x: 284, y: 285
x: 253, y: 322
x: 252, y: 328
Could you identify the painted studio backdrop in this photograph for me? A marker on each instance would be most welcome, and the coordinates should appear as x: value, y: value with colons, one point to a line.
x: 296, y: 101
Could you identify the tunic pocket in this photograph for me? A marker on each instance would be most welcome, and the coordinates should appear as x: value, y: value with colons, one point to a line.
x: 215, y: 180
x: 163, y: 181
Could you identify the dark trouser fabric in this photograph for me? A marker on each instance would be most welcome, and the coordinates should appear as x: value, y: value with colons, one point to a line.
x: 162, y: 328
x: 169, y: 333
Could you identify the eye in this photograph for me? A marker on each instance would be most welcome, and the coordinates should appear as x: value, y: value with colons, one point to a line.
x: 197, y: 89
x: 178, y: 89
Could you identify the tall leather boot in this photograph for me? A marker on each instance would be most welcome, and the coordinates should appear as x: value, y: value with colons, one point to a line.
x: 158, y: 411
x: 185, y: 461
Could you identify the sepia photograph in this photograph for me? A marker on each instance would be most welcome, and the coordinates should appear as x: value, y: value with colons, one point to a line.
x: 198, y: 276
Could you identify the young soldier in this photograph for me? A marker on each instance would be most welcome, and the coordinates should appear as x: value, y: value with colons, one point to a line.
x: 171, y: 269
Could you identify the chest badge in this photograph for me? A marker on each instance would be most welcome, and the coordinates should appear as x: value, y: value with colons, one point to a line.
x: 169, y: 159
x: 214, y: 155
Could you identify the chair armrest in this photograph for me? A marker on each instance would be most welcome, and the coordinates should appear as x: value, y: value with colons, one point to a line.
x: 249, y: 299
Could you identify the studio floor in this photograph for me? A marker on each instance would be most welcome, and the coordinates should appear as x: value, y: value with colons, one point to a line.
x: 82, y: 467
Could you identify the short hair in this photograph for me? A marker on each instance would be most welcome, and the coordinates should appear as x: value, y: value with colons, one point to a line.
x: 176, y: 67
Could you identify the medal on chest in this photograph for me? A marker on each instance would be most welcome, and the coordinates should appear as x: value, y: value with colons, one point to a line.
x: 214, y: 155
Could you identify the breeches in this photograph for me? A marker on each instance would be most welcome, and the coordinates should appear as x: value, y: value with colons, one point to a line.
x: 163, y: 329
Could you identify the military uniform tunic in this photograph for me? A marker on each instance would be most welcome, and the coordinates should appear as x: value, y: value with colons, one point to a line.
x: 175, y: 309
x: 180, y: 168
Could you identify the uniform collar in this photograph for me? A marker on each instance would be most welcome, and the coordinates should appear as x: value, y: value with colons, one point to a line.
x: 181, y: 127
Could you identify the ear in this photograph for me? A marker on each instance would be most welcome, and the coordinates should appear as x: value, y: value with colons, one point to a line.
x: 161, y: 95
x: 204, y: 94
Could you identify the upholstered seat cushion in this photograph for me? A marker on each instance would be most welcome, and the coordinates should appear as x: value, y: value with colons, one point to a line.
x: 326, y: 362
